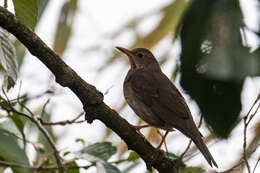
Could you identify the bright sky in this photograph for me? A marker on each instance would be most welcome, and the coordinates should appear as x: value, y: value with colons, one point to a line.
x: 94, y: 20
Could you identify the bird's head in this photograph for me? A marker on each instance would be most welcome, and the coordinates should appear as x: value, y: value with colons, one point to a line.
x: 141, y: 58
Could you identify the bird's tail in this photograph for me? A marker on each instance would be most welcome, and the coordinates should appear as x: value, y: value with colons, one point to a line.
x: 197, y: 139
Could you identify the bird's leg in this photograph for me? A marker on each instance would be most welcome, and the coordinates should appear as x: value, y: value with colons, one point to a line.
x: 138, y: 128
x: 163, y: 140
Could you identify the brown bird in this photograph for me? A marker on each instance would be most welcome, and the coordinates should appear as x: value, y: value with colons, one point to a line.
x: 155, y: 99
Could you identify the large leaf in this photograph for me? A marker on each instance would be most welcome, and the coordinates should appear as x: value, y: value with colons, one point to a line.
x: 19, y: 121
x: 98, y: 152
x: 19, y: 47
x: 214, y: 61
x: 8, y: 61
x: 26, y: 11
x: 64, y: 27
x: 10, y: 151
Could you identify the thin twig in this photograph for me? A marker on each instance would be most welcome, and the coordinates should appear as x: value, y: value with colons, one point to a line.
x: 252, y: 116
x: 44, y: 107
x: 50, y: 140
x: 244, y: 147
x: 50, y: 168
x: 24, y: 97
x: 256, y: 164
x: 233, y: 167
x: 246, y: 123
x: 33, y: 118
x: 34, y: 144
x: 62, y: 123
x: 7, y: 98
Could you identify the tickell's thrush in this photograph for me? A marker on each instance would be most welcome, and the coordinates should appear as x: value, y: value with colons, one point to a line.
x: 155, y: 99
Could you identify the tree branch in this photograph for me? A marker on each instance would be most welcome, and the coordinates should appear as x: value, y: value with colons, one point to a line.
x: 32, y: 117
x: 90, y: 97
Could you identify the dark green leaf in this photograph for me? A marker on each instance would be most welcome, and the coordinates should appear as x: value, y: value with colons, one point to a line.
x: 8, y: 61
x: 214, y: 62
x: 26, y: 11
x: 104, y: 167
x: 98, y: 151
x: 10, y: 151
x: 73, y: 167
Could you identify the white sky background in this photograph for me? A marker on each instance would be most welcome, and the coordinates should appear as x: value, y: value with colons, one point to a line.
x: 93, y: 21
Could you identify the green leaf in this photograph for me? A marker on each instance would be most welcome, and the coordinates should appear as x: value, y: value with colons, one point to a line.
x: 20, y: 48
x: 213, y: 61
x: 192, y: 170
x: 19, y: 121
x: 66, y: 153
x: 20, y: 52
x: 64, y: 27
x: 98, y: 151
x: 73, y: 170
x: 26, y: 11
x: 104, y: 167
x: 133, y: 156
x: 8, y: 60
x: 10, y: 151
x: 10, y: 127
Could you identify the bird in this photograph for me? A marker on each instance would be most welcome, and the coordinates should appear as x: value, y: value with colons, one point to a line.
x: 156, y: 100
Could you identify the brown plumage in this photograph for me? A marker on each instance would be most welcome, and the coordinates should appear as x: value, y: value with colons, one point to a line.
x: 155, y: 99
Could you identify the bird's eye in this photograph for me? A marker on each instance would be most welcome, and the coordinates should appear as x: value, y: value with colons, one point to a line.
x: 140, y: 55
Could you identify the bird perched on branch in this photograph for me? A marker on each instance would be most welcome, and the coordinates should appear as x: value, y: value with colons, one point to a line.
x: 155, y: 99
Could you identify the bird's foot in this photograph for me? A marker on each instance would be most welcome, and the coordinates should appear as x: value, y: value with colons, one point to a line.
x: 138, y: 128
x: 163, y: 140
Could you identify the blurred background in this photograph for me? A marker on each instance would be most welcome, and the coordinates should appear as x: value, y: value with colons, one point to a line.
x: 209, y: 49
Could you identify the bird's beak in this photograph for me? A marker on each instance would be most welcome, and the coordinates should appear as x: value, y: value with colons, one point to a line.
x: 129, y: 53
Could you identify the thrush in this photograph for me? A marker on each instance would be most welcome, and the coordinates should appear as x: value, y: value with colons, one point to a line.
x: 156, y: 100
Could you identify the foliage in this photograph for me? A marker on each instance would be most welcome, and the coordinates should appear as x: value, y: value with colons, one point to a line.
x: 215, y: 59
x: 8, y: 61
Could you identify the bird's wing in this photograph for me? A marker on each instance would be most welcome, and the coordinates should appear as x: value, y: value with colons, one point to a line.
x: 157, y: 92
